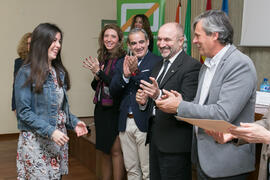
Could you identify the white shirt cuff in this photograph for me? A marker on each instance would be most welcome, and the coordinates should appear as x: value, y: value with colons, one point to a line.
x: 126, y: 79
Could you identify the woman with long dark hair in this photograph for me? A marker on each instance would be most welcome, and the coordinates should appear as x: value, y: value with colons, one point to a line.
x: 141, y: 21
x: 42, y: 108
x: 107, y: 107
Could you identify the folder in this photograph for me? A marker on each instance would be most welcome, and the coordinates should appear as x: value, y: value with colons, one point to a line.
x: 209, y: 124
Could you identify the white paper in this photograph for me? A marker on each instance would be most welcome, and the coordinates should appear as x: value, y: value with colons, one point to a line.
x: 263, y: 98
x: 209, y: 124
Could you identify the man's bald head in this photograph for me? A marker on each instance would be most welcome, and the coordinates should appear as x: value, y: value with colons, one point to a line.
x: 170, y: 39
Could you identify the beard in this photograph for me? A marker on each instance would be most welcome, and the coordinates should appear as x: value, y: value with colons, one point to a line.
x: 167, y: 56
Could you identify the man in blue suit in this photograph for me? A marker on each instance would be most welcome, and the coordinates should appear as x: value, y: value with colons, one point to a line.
x: 133, y: 123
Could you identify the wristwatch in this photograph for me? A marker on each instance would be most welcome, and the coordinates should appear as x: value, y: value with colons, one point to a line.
x: 235, y: 140
x: 98, y: 73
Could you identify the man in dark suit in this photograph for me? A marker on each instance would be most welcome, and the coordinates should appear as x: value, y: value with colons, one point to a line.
x: 133, y: 123
x: 170, y: 140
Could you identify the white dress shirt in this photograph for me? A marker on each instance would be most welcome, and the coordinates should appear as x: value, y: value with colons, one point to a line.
x: 211, y: 64
x: 171, y: 60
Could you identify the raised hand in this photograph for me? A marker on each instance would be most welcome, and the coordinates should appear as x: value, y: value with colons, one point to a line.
x: 59, y: 137
x: 91, y: 64
x: 126, y: 70
x: 252, y: 133
x: 220, y: 137
x: 141, y: 97
x: 81, y: 129
x: 152, y: 90
x: 133, y: 63
x: 169, y: 101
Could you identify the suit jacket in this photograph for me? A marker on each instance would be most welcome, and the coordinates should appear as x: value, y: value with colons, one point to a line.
x: 127, y: 91
x: 231, y: 97
x: 170, y: 135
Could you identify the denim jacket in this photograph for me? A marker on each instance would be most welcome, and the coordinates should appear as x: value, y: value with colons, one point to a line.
x: 38, y: 112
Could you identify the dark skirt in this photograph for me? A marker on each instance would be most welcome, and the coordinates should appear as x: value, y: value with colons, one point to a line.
x: 106, y: 123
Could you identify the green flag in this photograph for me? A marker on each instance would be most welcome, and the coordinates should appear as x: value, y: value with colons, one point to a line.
x: 187, y: 42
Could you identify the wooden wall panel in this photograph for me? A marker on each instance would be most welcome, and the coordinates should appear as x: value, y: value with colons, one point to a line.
x: 170, y: 10
x: 261, y: 59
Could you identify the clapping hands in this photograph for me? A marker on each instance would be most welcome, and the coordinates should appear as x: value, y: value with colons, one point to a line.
x: 151, y: 89
x: 130, y: 65
x: 141, y: 97
x: 92, y: 64
x: 169, y: 101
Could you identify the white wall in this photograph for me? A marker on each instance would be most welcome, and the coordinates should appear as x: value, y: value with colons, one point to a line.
x: 80, y: 20
x: 255, y: 24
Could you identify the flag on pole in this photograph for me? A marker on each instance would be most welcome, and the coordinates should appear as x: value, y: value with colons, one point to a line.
x: 208, y: 7
x: 187, y: 32
x: 178, y: 13
x: 225, y: 7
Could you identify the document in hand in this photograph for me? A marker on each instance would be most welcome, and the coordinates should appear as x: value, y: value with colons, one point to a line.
x: 209, y: 124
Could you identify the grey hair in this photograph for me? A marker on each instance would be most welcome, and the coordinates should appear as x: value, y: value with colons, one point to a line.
x: 136, y: 30
x: 180, y: 30
x: 216, y: 21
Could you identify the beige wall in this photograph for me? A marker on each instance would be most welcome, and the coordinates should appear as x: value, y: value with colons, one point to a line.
x: 80, y: 21
x: 259, y: 55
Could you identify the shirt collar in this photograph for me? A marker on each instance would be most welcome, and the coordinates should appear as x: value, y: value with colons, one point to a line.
x: 209, y: 62
x: 140, y: 59
x: 171, y: 60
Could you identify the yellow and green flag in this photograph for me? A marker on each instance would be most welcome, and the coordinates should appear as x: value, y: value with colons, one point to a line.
x: 153, y: 9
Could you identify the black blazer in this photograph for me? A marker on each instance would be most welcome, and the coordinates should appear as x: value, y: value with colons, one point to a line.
x: 127, y: 91
x: 169, y: 134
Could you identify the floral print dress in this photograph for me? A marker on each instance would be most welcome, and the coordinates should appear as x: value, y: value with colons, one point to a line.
x: 39, y: 157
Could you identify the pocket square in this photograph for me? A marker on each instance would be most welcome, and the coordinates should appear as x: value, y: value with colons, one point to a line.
x: 145, y: 70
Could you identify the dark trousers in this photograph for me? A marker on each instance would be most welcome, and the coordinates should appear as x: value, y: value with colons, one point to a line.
x: 169, y: 166
x: 268, y: 169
